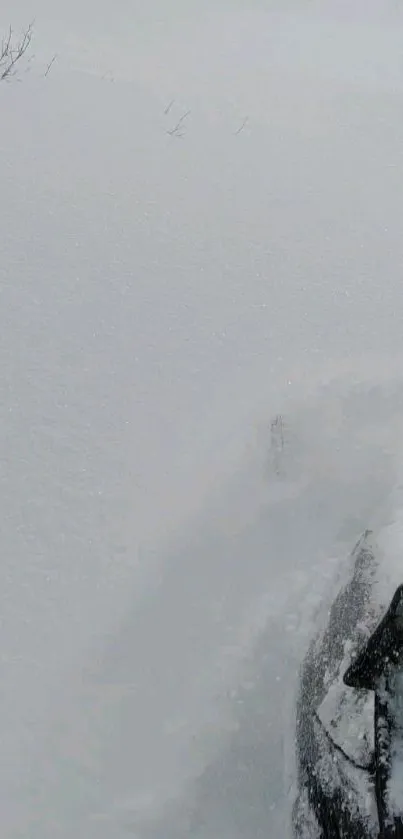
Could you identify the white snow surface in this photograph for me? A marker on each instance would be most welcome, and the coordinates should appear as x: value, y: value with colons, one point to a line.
x: 162, y: 300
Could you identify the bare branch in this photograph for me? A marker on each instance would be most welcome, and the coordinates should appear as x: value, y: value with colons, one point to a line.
x: 177, y: 130
x: 241, y: 127
x: 174, y: 133
x: 169, y: 106
x: 12, y: 50
x: 50, y: 65
x: 5, y: 45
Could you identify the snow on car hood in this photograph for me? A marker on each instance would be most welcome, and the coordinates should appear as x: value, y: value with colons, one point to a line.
x: 347, y: 716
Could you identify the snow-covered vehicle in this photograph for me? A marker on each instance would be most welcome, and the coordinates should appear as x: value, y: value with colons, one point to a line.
x: 350, y: 708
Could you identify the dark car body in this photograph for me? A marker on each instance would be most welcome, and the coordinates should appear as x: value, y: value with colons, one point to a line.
x: 349, y: 720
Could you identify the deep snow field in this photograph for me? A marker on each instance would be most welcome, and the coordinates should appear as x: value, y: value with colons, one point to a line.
x: 165, y: 548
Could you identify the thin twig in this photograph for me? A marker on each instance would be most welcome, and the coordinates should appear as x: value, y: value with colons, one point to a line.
x: 176, y: 130
x: 169, y: 106
x: 50, y: 64
x: 241, y: 128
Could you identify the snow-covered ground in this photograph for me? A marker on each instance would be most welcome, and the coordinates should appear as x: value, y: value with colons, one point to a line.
x: 163, y: 300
